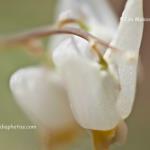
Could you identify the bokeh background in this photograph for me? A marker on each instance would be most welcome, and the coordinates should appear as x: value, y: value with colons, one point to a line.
x: 18, y: 15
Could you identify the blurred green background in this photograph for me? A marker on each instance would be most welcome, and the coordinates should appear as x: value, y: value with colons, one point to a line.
x: 17, y: 15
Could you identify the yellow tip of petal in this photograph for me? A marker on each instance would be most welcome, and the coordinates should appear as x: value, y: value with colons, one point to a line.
x: 102, y: 139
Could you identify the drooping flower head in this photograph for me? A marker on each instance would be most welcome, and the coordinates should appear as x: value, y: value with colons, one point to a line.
x: 89, y: 86
x: 101, y: 98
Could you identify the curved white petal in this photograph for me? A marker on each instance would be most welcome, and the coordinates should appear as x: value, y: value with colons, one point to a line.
x: 64, y: 50
x: 99, y: 9
x: 128, y: 39
x: 92, y: 92
x: 41, y: 95
x: 64, y: 5
x: 57, y: 39
x: 102, y: 32
x: 104, y: 13
x: 103, y: 26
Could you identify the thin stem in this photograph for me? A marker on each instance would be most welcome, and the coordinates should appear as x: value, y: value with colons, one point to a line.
x: 47, y: 31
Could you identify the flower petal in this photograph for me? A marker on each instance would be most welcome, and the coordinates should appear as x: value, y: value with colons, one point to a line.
x: 98, y: 26
x: 101, y: 31
x: 99, y: 9
x: 69, y: 46
x: 41, y: 94
x: 92, y: 92
x: 128, y: 39
x: 104, y: 13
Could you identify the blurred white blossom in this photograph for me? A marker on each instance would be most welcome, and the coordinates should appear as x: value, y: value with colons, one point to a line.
x: 99, y: 98
x: 41, y: 94
x: 80, y: 90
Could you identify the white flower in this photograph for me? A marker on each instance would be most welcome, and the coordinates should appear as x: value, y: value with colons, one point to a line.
x: 101, y: 98
x: 40, y: 90
x: 41, y: 94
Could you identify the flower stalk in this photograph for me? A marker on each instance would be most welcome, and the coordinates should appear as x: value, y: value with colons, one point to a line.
x: 29, y: 38
x: 47, y: 31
